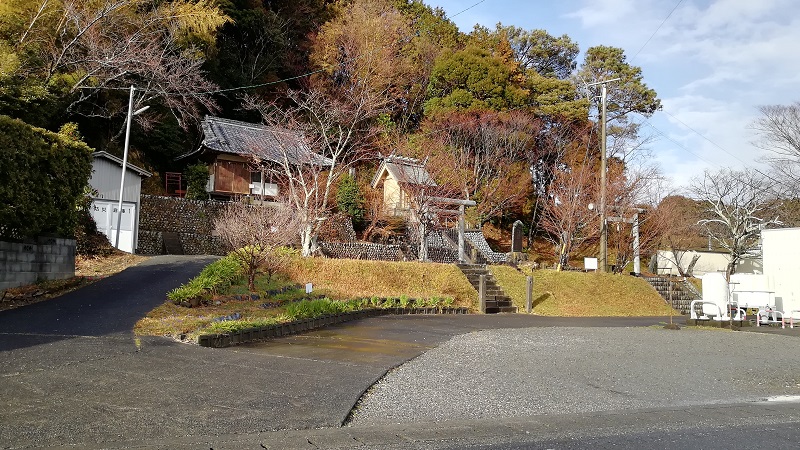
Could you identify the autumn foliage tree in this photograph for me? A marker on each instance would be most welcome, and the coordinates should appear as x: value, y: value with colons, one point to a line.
x: 483, y: 154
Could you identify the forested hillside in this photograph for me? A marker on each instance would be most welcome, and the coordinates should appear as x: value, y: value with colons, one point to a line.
x: 506, y: 117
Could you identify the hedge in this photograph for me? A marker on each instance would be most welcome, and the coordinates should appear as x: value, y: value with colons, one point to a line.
x: 42, y: 178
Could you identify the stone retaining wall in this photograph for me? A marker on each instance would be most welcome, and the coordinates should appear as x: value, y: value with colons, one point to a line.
x: 362, y: 250
x: 152, y: 243
x: 26, y: 263
x: 193, y: 220
x: 178, y: 215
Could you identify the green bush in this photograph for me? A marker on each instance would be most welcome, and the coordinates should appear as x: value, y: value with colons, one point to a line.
x: 42, y: 179
x: 349, y: 199
x: 196, y: 180
x: 232, y: 326
x: 214, y: 278
x: 309, y: 309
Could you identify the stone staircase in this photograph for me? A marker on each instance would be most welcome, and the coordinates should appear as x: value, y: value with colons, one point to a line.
x: 682, y: 291
x: 171, y: 244
x: 496, y: 300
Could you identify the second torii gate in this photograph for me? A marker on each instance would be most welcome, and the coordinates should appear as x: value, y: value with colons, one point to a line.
x: 462, y: 204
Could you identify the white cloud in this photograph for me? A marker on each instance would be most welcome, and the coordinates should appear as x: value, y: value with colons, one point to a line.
x: 604, y: 12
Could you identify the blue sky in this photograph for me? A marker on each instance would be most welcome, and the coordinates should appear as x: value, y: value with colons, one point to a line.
x: 712, y: 63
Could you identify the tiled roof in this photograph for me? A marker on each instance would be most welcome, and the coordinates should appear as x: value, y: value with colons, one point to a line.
x: 404, y: 170
x: 266, y: 142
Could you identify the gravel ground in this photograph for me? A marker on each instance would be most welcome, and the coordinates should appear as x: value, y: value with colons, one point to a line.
x: 534, y: 371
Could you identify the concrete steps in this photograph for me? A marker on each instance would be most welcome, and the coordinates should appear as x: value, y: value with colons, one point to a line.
x: 496, y: 299
x: 172, y: 244
x: 675, y: 291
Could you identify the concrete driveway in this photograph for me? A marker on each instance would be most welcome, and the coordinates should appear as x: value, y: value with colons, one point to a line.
x: 74, y: 375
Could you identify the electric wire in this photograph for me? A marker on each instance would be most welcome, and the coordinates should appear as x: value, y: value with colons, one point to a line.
x: 657, y: 29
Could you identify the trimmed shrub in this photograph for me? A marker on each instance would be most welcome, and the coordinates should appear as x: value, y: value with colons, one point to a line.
x: 42, y: 179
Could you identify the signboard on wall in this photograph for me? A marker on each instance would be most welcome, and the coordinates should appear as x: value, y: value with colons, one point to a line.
x: 104, y: 213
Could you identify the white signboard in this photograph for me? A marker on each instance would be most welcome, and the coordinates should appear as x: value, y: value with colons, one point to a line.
x: 104, y: 213
x: 589, y: 263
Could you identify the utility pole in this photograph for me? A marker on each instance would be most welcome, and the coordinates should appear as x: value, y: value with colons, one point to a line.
x: 603, y: 170
x: 131, y: 113
x: 603, y: 182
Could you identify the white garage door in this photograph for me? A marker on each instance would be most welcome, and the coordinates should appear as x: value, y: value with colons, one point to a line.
x: 104, y: 213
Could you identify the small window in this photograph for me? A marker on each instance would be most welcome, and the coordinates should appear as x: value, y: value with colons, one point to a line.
x: 255, y: 177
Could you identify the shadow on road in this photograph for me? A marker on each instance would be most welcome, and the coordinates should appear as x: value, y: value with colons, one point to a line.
x: 109, y: 306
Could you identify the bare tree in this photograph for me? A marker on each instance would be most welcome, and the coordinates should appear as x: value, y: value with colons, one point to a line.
x: 779, y: 129
x: 319, y: 137
x: 431, y: 204
x: 253, y: 233
x: 631, y: 196
x: 683, y: 232
x: 566, y: 218
x: 736, y: 204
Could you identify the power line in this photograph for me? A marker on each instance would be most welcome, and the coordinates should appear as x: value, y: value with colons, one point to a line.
x: 750, y: 167
x: 467, y: 9
x: 704, y: 137
x: 308, y: 74
x: 658, y: 28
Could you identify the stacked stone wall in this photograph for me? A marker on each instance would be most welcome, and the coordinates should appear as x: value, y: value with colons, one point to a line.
x: 362, y: 250
x: 193, y: 220
x: 337, y: 228
x: 47, y: 258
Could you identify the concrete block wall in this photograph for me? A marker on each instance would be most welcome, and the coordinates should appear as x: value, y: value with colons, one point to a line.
x: 45, y: 259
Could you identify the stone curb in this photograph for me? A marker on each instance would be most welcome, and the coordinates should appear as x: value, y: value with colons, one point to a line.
x: 221, y: 340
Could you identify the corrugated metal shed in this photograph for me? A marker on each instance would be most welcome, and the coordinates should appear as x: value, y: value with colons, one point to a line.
x: 106, y: 171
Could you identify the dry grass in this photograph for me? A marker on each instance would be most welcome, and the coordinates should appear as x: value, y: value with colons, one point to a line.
x: 346, y: 278
x: 172, y: 320
x: 340, y: 279
x: 578, y: 294
x: 88, y: 266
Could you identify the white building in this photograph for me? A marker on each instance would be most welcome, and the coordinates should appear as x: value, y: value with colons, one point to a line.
x: 707, y: 262
x: 781, y: 251
x: 106, y: 174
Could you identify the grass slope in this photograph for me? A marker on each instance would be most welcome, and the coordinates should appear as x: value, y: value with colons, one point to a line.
x: 339, y: 279
x: 576, y: 294
x: 347, y: 278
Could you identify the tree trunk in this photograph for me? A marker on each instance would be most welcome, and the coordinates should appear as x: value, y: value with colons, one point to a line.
x: 562, y: 257
x: 307, y: 241
x: 423, y: 243
x: 690, y: 267
x: 731, y: 269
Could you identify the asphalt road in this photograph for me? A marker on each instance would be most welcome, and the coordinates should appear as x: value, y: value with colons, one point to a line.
x: 73, y: 375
